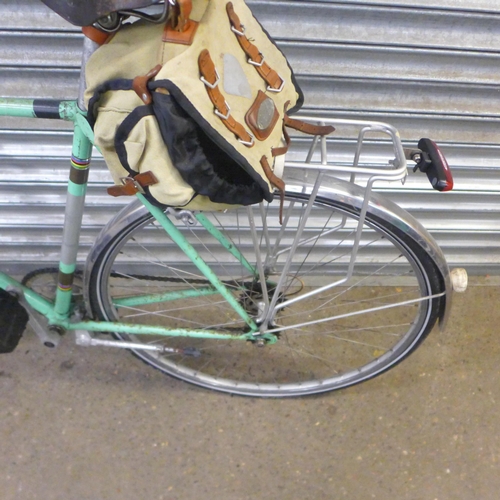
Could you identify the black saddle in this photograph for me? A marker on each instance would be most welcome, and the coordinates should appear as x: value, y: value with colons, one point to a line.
x: 87, y: 12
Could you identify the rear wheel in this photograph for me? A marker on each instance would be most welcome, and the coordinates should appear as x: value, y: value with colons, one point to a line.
x: 328, y: 337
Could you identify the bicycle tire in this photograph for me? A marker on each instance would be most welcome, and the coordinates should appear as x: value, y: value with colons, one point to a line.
x: 323, y: 358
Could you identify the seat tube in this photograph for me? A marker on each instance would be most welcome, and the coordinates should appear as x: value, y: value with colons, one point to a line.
x: 75, y: 198
x: 75, y: 201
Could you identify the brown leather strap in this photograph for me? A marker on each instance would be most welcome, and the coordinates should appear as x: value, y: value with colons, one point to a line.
x: 180, y: 28
x: 97, y: 36
x: 273, y: 80
x: 278, y: 183
x: 222, y: 109
x: 132, y: 186
x: 307, y: 128
x: 283, y: 150
x: 140, y: 84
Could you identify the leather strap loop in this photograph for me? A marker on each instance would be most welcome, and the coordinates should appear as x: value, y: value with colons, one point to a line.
x: 211, y: 79
x: 271, y: 77
x: 140, y: 84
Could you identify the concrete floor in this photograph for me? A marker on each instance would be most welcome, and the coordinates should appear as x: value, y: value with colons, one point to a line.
x: 93, y: 424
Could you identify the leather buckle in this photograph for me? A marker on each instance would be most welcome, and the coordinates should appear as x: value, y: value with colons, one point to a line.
x: 246, y: 143
x: 254, y: 63
x: 277, y: 90
x: 211, y: 85
x: 220, y: 115
x: 239, y: 33
x: 131, y: 186
x: 127, y: 181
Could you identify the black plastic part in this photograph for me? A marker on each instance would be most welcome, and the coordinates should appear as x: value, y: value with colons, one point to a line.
x: 13, y: 321
x: 434, y: 164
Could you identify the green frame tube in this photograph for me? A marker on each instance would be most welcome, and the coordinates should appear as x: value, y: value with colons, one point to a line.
x: 169, y: 296
x: 137, y: 329
x: 36, y: 301
x: 193, y: 255
x: 228, y: 245
x: 18, y: 108
x: 164, y: 297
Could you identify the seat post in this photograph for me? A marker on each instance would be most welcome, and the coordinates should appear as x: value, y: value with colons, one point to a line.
x: 89, y: 47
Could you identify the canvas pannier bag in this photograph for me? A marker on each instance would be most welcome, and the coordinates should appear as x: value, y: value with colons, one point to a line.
x: 194, y: 112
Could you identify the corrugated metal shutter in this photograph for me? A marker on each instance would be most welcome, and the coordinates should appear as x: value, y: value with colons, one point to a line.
x: 429, y: 67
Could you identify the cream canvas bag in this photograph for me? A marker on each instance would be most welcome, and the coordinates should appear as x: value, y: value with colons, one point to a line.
x: 199, y: 105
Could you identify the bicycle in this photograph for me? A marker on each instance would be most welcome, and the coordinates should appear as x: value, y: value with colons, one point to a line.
x: 346, y: 288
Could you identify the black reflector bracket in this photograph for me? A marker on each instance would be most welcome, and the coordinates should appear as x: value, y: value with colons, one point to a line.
x: 430, y: 159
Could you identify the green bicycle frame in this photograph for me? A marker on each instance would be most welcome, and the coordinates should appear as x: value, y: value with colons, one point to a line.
x: 59, y: 312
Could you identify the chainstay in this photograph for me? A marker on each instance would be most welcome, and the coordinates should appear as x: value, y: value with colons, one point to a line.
x: 248, y: 285
x: 54, y: 270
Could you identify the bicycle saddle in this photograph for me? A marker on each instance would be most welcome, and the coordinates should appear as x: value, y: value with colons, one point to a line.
x: 85, y: 13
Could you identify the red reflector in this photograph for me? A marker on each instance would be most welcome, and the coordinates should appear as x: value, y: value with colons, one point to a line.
x: 445, y: 184
x: 434, y: 164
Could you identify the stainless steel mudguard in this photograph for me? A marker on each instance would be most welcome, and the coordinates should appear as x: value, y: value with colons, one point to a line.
x: 331, y: 188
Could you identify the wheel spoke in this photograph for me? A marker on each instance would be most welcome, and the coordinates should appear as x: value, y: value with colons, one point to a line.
x: 327, y: 337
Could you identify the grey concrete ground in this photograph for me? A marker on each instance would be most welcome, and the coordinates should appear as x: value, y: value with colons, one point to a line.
x: 86, y: 424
